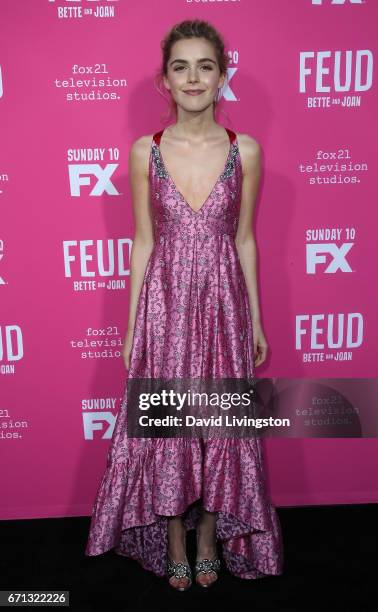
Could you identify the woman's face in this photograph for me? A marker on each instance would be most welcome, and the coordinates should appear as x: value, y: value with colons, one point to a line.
x: 193, y: 67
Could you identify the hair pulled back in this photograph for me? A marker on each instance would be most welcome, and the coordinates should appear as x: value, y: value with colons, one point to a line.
x: 190, y: 28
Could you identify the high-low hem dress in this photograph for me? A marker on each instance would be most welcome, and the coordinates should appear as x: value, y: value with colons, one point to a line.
x: 193, y: 320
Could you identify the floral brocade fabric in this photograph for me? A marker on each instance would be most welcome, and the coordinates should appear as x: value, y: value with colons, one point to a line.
x: 193, y: 320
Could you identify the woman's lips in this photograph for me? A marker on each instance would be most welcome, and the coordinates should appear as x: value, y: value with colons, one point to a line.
x: 196, y: 92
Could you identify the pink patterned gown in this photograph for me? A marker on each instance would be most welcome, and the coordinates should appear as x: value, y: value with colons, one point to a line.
x: 193, y: 320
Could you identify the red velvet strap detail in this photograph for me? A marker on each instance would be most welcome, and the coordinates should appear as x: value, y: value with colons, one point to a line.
x: 157, y: 136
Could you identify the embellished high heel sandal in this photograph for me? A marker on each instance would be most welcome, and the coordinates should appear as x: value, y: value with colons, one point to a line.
x: 206, y: 566
x: 179, y: 569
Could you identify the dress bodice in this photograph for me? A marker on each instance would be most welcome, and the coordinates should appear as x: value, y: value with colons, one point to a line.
x: 172, y: 213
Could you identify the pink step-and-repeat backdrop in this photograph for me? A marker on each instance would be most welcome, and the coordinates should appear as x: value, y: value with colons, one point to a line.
x: 76, y: 89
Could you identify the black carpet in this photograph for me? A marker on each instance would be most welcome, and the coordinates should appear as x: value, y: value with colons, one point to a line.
x: 330, y: 562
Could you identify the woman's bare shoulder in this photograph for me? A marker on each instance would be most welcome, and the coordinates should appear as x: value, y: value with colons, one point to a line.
x: 250, y: 151
x: 249, y: 144
x: 140, y: 152
x: 141, y: 144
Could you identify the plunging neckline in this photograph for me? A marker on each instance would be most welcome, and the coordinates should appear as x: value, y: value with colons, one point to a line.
x: 196, y: 212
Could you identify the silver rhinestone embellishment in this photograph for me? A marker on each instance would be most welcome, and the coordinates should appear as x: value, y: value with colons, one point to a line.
x: 206, y: 566
x: 178, y: 570
x: 230, y: 166
x: 161, y: 171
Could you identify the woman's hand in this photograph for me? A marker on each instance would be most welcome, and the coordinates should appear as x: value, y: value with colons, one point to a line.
x: 127, y: 348
x: 260, y: 345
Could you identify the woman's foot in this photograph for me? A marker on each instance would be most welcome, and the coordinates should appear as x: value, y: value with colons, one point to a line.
x: 177, y: 554
x: 207, y: 562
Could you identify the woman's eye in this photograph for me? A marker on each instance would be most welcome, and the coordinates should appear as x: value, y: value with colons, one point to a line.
x: 206, y: 67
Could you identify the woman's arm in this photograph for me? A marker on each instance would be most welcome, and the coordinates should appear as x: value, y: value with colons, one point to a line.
x: 143, y: 241
x: 250, y: 153
x: 245, y: 240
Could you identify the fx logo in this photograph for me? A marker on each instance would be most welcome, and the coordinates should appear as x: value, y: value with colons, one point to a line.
x: 339, y: 1
x: 78, y: 175
x: 227, y: 92
x: 99, y: 421
x: 315, y: 255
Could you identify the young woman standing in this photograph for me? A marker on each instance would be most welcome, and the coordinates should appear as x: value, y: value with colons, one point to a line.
x: 194, y: 312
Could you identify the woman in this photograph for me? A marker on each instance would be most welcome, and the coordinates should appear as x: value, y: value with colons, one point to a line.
x: 194, y: 312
